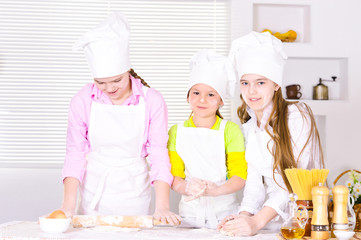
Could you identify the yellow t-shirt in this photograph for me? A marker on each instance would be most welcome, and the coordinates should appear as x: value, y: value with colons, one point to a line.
x: 234, y: 149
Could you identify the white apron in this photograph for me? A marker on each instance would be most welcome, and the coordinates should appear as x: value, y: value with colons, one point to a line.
x: 203, y: 153
x: 257, y: 152
x: 261, y: 159
x: 116, y: 181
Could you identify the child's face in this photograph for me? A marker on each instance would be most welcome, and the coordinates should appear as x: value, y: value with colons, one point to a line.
x: 257, y: 91
x: 204, y: 100
x: 114, y: 87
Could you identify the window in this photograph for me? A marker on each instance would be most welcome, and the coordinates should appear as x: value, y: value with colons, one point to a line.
x: 39, y: 73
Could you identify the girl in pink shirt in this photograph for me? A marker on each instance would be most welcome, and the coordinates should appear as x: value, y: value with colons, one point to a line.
x: 113, y: 125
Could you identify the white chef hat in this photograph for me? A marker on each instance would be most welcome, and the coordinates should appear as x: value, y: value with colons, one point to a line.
x: 106, y: 46
x: 213, y: 69
x: 258, y: 53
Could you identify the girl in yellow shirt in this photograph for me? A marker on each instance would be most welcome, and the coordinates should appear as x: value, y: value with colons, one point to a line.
x: 207, y: 152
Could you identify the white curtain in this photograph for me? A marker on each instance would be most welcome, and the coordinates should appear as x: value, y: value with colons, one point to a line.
x: 39, y: 73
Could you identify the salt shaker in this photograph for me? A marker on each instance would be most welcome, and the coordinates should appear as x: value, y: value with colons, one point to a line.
x: 319, y: 223
x: 340, y: 198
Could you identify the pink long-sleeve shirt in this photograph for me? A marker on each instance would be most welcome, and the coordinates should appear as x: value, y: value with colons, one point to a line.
x: 155, y: 134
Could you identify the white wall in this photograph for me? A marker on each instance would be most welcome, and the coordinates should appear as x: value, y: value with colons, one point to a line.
x: 339, y: 33
x: 29, y: 193
x: 26, y: 193
x: 333, y: 33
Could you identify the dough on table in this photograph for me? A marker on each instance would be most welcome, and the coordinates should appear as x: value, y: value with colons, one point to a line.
x: 223, y: 232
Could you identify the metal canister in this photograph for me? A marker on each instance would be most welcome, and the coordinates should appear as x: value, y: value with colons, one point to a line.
x: 320, y: 91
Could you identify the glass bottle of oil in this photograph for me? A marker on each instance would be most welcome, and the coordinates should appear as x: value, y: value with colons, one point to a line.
x: 294, y: 226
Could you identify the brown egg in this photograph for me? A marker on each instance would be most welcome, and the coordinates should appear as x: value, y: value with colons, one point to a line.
x: 57, y: 214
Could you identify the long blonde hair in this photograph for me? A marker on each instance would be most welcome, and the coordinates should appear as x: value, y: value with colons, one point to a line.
x: 282, y: 150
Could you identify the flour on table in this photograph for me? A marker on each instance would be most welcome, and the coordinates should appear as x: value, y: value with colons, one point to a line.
x: 112, y: 219
x: 166, y: 233
x: 113, y: 229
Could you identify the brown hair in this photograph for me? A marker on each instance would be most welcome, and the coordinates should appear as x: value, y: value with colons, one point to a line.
x: 282, y: 150
x: 218, y: 113
x: 135, y: 75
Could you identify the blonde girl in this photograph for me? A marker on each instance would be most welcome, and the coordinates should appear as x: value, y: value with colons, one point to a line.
x: 279, y: 135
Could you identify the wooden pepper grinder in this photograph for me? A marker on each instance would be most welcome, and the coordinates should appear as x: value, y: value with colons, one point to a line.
x: 340, y: 198
x: 319, y: 223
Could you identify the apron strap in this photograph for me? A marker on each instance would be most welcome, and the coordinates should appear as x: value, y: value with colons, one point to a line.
x: 222, y: 125
x: 206, y: 209
x: 99, y: 190
x: 212, y: 217
x: 145, y: 90
x: 201, y: 212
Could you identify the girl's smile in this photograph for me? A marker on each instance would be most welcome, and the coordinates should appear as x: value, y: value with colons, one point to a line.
x: 257, y: 91
x: 204, y: 101
x: 112, y: 93
x: 117, y: 88
x: 254, y: 99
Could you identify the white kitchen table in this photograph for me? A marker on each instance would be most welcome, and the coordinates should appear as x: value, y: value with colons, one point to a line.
x: 31, y: 230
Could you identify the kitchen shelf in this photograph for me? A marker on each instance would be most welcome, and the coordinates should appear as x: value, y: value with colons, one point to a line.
x: 306, y: 72
x: 279, y: 17
x: 322, y: 108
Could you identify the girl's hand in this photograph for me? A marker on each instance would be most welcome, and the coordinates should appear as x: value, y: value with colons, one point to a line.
x: 211, y: 189
x: 195, y: 186
x: 68, y: 212
x: 226, y: 219
x: 167, y: 217
x: 210, y: 185
x: 240, y: 225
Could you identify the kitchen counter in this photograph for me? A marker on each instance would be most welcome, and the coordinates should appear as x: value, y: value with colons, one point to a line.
x: 31, y: 230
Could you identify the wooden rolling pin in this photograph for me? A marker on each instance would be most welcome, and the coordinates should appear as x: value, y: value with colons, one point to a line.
x: 116, y: 221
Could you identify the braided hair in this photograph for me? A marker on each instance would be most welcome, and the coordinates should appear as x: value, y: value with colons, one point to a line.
x: 135, y: 75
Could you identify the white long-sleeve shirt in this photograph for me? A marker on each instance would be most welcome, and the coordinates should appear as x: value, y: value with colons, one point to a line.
x: 261, y: 189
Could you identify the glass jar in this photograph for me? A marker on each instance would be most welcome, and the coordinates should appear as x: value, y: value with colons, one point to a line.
x: 294, y: 226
